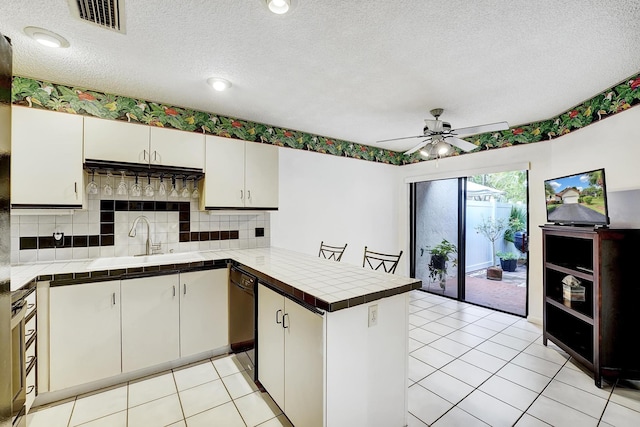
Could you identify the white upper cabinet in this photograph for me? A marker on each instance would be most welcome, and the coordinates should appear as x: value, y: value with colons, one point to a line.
x: 170, y: 147
x: 46, y: 159
x: 224, y: 172
x: 240, y: 174
x: 116, y: 141
x: 119, y: 141
x: 261, y: 175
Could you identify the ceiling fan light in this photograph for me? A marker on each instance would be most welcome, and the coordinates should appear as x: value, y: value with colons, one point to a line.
x: 441, y: 148
x: 279, y: 7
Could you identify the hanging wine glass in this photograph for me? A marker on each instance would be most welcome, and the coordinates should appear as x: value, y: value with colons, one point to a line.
x: 185, y: 189
x: 107, y: 189
x: 162, y: 189
x: 148, y: 190
x: 136, y: 190
x: 122, y: 186
x: 174, y: 191
x: 92, y: 187
x: 196, y: 193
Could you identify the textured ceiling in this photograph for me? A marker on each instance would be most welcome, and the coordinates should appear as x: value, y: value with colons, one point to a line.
x: 359, y: 70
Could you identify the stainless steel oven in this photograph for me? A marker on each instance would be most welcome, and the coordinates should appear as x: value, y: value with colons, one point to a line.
x: 242, y: 287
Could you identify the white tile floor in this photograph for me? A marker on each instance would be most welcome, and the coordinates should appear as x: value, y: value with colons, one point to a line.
x: 468, y: 366
x: 216, y: 392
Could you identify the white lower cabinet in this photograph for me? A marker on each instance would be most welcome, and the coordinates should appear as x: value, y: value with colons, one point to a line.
x: 204, y: 319
x: 84, y: 333
x: 102, y: 329
x: 290, y: 357
x: 150, y: 321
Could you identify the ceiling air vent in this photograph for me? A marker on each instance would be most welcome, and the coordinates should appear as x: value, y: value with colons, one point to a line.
x: 104, y: 13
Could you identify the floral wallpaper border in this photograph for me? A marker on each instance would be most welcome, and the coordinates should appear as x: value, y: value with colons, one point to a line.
x: 75, y: 100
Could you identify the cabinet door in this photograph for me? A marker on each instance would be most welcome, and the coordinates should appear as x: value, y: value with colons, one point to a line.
x: 204, y: 315
x: 116, y: 141
x: 224, y: 173
x: 150, y: 321
x: 84, y: 330
x: 303, y: 369
x: 261, y: 176
x: 271, y: 343
x: 46, y: 158
x: 170, y: 147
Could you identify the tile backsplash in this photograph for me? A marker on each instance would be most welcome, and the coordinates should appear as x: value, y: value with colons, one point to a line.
x: 103, y: 229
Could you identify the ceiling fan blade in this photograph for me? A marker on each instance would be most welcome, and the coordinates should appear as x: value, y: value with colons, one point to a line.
x: 473, y: 130
x: 397, y: 139
x: 417, y: 147
x: 461, y: 143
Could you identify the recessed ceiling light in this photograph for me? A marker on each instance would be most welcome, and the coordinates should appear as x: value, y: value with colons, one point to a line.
x: 279, y: 7
x: 46, y: 37
x: 219, y: 84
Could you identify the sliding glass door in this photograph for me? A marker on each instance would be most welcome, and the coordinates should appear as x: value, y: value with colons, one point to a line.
x: 469, y: 239
x: 436, y: 235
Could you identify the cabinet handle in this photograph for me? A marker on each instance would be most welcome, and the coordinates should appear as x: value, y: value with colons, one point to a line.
x: 30, y: 389
x: 241, y: 195
x: 174, y: 290
x: 29, y: 333
x: 30, y: 306
x: 75, y: 187
x: 285, y: 324
x: 278, y: 321
x: 29, y: 360
x: 144, y: 155
x: 155, y: 156
x: 248, y: 194
x: 113, y: 298
x: 185, y: 288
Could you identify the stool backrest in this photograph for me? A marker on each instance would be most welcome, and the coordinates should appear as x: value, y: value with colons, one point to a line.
x: 376, y: 260
x: 331, y: 252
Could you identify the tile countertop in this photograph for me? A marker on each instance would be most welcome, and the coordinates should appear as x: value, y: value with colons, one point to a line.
x: 325, y: 284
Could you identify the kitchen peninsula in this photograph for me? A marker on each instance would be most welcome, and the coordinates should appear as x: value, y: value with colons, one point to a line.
x: 332, y: 338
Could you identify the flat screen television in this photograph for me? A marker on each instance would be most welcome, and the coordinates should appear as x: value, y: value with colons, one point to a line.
x: 578, y: 199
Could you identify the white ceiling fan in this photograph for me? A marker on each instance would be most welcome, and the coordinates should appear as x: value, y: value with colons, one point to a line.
x: 438, y: 137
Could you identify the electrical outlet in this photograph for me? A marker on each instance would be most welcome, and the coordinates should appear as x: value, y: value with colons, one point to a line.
x: 373, y: 315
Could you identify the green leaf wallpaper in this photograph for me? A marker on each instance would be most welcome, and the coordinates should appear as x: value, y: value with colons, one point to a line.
x: 73, y: 100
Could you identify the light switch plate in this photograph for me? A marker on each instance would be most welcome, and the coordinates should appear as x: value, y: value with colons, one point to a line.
x: 373, y: 315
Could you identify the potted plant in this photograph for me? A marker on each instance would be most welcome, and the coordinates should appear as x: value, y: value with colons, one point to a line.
x: 441, y: 253
x: 492, y: 229
x: 508, y: 260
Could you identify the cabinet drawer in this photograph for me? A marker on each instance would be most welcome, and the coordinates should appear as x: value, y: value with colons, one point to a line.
x: 31, y: 303
x: 31, y: 389
x: 30, y: 329
x: 29, y: 355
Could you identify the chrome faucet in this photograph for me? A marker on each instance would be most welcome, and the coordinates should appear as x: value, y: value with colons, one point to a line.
x: 132, y: 233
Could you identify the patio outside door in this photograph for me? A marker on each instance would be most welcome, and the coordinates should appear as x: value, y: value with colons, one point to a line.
x: 461, y: 228
x: 436, y: 235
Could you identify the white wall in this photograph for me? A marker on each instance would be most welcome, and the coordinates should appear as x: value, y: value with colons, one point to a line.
x: 342, y: 200
x: 338, y: 200
x: 613, y: 143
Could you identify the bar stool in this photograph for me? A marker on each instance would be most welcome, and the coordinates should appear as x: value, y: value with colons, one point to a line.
x: 375, y: 260
x: 331, y: 252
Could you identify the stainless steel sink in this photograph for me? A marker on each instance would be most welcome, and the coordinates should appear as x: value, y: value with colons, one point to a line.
x: 141, y: 260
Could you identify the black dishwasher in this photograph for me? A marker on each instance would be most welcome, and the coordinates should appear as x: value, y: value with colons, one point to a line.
x: 242, y: 288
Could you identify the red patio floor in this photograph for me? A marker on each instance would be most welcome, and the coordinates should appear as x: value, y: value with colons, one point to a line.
x: 508, y: 294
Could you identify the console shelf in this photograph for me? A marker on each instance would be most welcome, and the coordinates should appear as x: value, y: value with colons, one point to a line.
x: 597, y: 329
